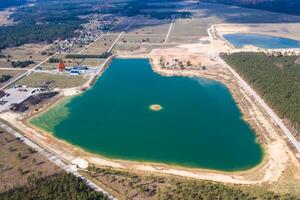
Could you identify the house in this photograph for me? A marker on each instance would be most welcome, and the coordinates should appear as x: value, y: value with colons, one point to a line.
x: 80, y: 68
x: 74, y: 72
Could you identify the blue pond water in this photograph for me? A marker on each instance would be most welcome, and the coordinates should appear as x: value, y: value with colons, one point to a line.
x: 263, y: 41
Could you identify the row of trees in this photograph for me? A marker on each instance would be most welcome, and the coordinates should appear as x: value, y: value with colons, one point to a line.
x: 276, y: 79
x: 84, y: 56
x: 59, y: 187
x: 21, y: 64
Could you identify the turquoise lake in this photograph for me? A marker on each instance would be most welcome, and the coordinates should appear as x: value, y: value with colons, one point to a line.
x: 199, y: 125
x: 263, y: 41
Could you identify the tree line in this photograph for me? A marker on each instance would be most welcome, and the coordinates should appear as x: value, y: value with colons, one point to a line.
x: 84, y: 56
x: 276, y: 79
x: 281, y: 6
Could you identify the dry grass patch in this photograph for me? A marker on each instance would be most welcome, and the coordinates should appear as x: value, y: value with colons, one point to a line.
x: 138, y: 48
x: 150, y: 26
x: 26, y: 52
x: 4, y: 18
x: 18, y: 161
x: 142, y: 39
x: 5, y: 64
x: 92, y: 62
x: 12, y: 73
x: 191, y: 27
x: 102, y: 45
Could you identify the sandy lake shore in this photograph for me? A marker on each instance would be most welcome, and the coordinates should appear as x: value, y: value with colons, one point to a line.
x: 206, y: 63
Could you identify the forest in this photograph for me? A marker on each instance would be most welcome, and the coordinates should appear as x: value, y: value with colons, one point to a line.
x: 48, y: 20
x: 59, y: 187
x: 276, y: 79
x: 281, y: 6
x: 137, y: 7
x: 44, y: 22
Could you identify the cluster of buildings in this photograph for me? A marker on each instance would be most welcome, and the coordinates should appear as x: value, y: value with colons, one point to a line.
x: 93, y: 29
x: 76, y: 70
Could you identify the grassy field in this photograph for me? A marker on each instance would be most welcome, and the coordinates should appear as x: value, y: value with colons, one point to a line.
x: 37, y: 79
x: 18, y: 162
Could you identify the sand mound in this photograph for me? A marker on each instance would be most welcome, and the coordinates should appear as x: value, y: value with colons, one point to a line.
x: 155, y: 107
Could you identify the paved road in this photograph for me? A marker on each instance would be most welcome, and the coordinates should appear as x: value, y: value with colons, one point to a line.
x: 56, y: 159
x: 28, y: 72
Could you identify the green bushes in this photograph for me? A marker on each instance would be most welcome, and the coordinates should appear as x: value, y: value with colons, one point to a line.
x: 4, y: 78
x: 21, y: 64
x: 276, y: 79
x: 84, y: 56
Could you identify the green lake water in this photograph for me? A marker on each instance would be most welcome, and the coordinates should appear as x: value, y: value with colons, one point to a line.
x: 200, y: 125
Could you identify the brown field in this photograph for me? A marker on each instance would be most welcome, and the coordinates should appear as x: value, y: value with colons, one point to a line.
x: 18, y: 162
x: 142, y: 39
x: 138, y: 48
x: 120, y: 25
x: 13, y: 73
x: 22, y: 53
x: 4, y: 17
x: 26, y: 52
x: 37, y: 79
x: 150, y: 26
x: 90, y: 62
x: 189, y: 27
x: 183, y: 40
x: 101, y: 46
x: 4, y: 63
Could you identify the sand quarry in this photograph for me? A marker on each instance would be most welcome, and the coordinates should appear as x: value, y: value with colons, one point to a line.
x: 204, y: 62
